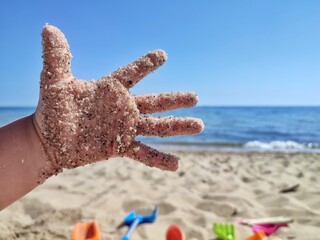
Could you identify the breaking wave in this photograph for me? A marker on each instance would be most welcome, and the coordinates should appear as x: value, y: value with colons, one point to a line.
x: 280, y: 146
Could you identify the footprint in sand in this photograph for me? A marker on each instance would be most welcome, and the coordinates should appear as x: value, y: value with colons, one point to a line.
x: 195, y: 234
x: 48, y: 223
x: 222, y: 210
x: 134, y: 204
x: 66, y: 216
x: 310, y: 199
x: 200, y: 221
x: 100, y: 173
x: 77, y: 184
x: 272, y: 200
x: 246, y: 179
x: 35, y: 209
x: 166, y: 208
x: 258, y: 191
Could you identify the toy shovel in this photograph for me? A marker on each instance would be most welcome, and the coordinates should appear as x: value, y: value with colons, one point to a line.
x: 133, y: 220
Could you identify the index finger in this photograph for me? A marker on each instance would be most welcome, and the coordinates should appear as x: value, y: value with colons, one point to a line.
x: 131, y: 74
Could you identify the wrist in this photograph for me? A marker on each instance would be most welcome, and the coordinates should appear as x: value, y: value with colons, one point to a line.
x: 36, y: 147
x: 51, y: 165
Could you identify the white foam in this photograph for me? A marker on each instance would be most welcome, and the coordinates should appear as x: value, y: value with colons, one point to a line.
x: 275, y: 145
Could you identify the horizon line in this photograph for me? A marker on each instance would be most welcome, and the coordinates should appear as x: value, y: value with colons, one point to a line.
x: 229, y: 105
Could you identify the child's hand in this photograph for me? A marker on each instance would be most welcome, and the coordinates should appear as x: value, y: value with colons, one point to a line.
x: 82, y: 122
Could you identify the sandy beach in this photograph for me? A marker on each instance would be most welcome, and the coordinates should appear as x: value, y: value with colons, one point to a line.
x: 209, y: 187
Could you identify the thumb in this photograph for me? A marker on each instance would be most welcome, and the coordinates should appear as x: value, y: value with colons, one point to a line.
x: 56, y: 56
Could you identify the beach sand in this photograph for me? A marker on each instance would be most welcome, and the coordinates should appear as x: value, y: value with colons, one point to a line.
x: 209, y: 187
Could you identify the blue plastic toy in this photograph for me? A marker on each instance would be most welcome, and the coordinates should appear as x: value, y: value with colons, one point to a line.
x: 133, y: 220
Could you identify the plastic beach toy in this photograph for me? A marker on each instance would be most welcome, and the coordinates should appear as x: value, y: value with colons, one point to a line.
x: 90, y: 230
x: 174, y: 232
x: 133, y: 220
x: 260, y: 235
x: 267, y: 225
x: 268, y: 228
x: 224, y: 231
x: 86, y: 231
x: 271, y: 220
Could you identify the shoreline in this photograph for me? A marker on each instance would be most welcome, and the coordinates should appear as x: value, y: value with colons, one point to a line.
x: 231, y: 147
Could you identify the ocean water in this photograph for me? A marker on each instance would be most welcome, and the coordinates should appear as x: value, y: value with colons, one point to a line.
x: 235, y: 128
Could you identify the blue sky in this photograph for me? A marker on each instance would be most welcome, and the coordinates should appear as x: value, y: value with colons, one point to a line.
x: 229, y: 52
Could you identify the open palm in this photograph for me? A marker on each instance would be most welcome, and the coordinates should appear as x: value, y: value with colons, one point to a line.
x: 81, y: 122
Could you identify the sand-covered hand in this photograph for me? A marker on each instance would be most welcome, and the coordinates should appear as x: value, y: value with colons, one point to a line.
x: 81, y: 122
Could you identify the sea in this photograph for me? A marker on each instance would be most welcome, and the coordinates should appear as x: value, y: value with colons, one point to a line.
x: 277, y: 129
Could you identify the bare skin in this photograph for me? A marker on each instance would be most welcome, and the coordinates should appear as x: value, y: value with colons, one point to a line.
x: 79, y: 122
x: 21, y: 160
x: 82, y: 122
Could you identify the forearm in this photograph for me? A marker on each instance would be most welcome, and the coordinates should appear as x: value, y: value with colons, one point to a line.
x: 21, y: 160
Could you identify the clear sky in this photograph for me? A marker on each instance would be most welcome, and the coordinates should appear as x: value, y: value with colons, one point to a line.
x: 229, y: 52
